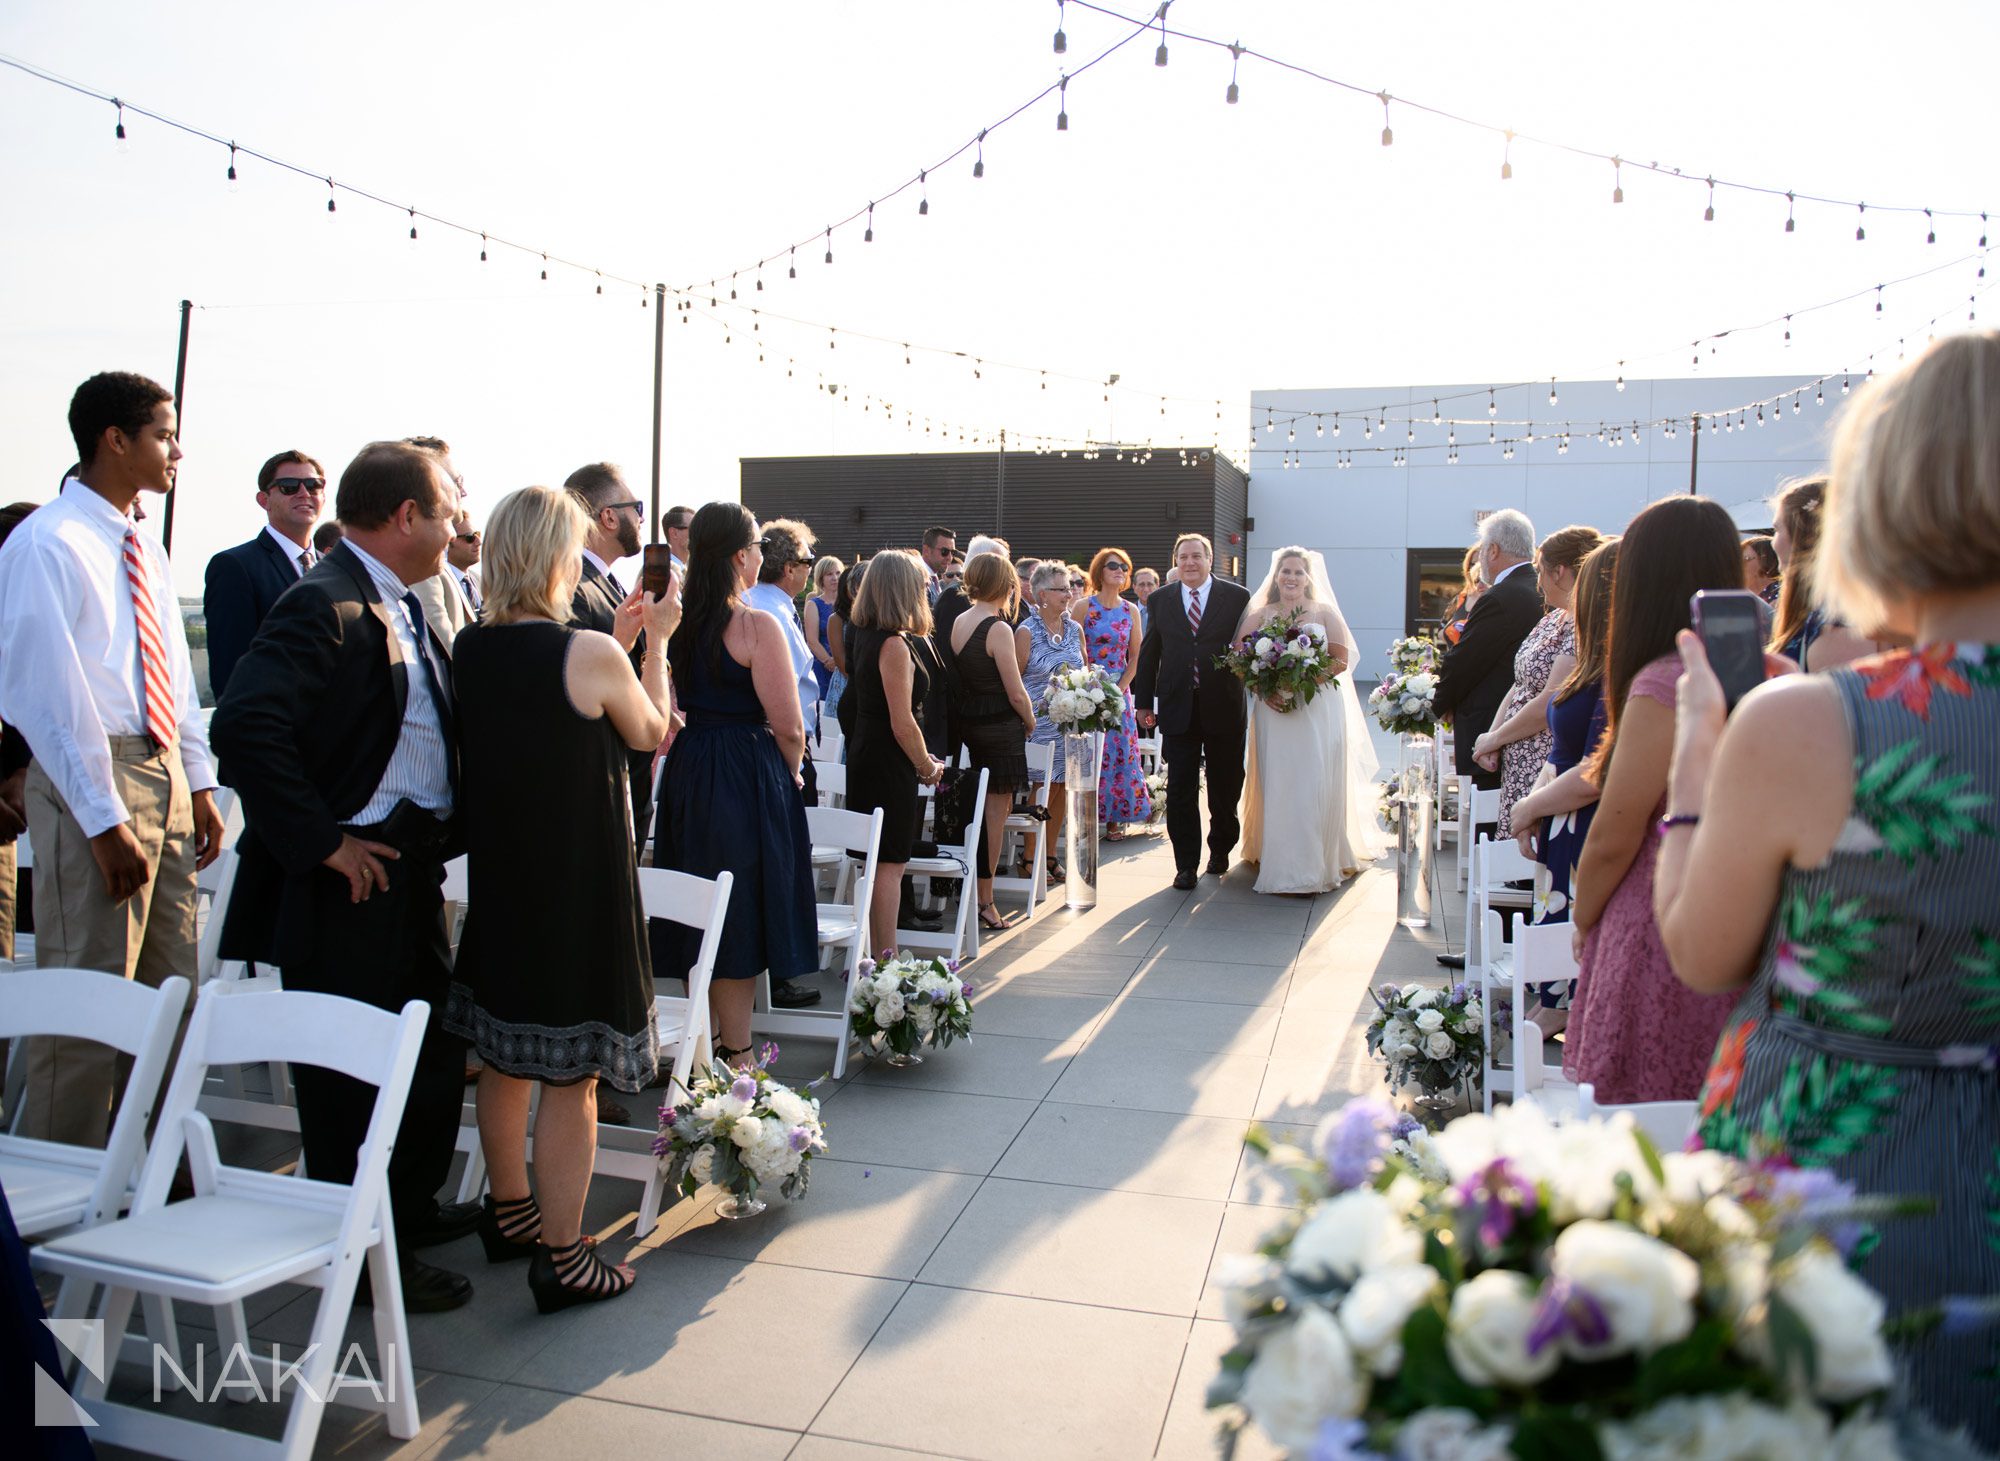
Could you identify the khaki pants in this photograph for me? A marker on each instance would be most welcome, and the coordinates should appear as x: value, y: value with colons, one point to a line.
x: 72, y: 1084
x: 8, y: 874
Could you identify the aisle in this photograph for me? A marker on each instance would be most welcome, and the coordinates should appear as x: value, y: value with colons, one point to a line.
x: 1007, y: 1251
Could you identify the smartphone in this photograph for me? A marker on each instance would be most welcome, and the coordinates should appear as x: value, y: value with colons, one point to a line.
x: 1731, y: 623
x: 656, y: 570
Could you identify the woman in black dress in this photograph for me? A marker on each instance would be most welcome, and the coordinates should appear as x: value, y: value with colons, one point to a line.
x: 995, y: 716
x: 552, y: 983
x: 732, y: 781
x: 886, y: 755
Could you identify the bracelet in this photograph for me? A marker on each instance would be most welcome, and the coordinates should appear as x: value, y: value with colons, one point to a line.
x: 1679, y: 819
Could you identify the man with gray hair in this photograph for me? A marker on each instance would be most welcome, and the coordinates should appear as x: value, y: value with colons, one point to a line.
x: 1477, y: 672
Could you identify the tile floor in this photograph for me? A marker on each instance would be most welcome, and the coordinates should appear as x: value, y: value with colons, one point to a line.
x: 1007, y: 1252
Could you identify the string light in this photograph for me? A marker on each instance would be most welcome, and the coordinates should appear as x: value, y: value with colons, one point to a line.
x: 829, y: 244
x: 979, y: 163
x: 1931, y: 236
x: 1160, y: 56
x: 1617, y: 180
x: 413, y: 231
x: 924, y: 198
x: 1860, y: 231
x: 1507, y: 157
x: 1235, y: 56
x: 119, y: 134
x: 1791, y: 207
x: 1062, y: 42
x: 1708, y: 216
x: 1552, y: 390
x: 866, y: 237
x: 1388, y: 136
x: 482, y: 248
x: 1621, y: 375
x: 330, y: 208
x: 1062, y: 110
x: 232, y: 167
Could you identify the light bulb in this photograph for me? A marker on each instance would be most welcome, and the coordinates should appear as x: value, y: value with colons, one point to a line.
x: 1552, y: 390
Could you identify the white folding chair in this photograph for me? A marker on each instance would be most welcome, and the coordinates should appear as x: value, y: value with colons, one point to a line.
x: 54, y: 1187
x: 1031, y: 832
x: 1541, y: 956
x: 1474, y: 808
x: 246, y: 1231
x: 829, y: 744
x: 843, y: 928
x: 831, y: 779
x: 956, y: 860
x: 1493, y: 865
x: 1666, y: 1123
x: 225, y: 1097
x: 1444, y: 778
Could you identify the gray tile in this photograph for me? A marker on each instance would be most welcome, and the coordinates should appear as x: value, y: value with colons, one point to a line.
x: 1133, y: 1151
x: 1200, y: 1085
x: 1190, y: 1431
x: 1169, y: 1027
x: 1010, y: 1009
x: 691, y: 1320
x: 986, y: 1065
x: 1273, y: 915
x: 825, y: 1448
x: 1243, y: 1228
x: 1053, y: 1380
x: 879, y: 1221
x: 1212, y: 983
x: 1228, y: 945
x: 1124, y: 1250
x: 1303, y: 1034
x: 937, y: 1131
x: 1306, y: 1090
x: 1257, y: 1182
x: 532, y: 1424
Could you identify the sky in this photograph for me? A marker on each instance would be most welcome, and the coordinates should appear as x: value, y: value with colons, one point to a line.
x: 1198, y: 250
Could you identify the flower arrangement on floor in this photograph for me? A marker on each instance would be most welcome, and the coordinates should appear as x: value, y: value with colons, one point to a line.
x: 903, y: 1003
x: 1156, y: 788
x: 1082, y: 699
x: 742, y: 1131
x: 1389, y: 805
x: 1513, y: 1288
x: 1284, y: 662
x: 1403, y: 701
x: 1433, y: 1038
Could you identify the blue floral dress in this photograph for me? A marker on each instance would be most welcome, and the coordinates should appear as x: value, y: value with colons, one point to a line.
x: 1046, y: 655
x: 1110, y: 639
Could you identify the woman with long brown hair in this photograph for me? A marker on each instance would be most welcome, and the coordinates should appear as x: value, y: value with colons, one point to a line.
x: 1635, y: 1031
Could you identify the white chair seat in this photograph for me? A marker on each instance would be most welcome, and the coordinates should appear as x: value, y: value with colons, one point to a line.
x: 935, y: 867
x: 828, y: 856
x: 836, y: 922
x: 44, y: 1197
x: 215, y: 1240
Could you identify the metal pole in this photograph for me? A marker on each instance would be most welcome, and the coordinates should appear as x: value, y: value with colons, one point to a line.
x: 1000, y: 488
x: 659, y: 393
x: 180, y: 380
x: 1694, y: 451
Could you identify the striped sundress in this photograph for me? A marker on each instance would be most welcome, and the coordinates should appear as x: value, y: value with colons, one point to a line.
x: 1867, y: 1043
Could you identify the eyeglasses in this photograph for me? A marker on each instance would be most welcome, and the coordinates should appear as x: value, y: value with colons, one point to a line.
x: 471, y: 537
x: 636, y: 506
x: 1114, y: 566
x: 802, y: 562
x: 293, y: 486
x: 678, y: 527
x: 1077, y: 585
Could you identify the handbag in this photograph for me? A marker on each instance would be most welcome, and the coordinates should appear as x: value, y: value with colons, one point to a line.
x: 951, y: 809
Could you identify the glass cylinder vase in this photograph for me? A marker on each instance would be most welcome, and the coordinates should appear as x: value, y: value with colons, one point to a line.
x: 1417, y: 790
x: 1080, y: 778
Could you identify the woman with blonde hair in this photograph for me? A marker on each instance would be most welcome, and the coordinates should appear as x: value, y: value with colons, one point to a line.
x: 1863, y: 920
x: 815, y: 614
x: 991, y: 706
x: 1471, y: 586
x: 545, y: 713
x: 886, y: 686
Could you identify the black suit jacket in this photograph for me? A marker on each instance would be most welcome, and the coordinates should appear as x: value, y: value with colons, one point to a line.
x: 312, y: 714
x: 1477, y: 672
x: 595, y: 606
x: 1170, y: 651
x: 242, y: 584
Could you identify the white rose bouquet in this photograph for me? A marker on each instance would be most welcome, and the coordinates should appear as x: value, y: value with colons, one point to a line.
x: 1511, y: 1288
x: 1284, y: 662
x: 1428, y: 1037
x: 1083, y: 699
x: 1156, y: 789
x: 903, y: 1003
x: 1389, y: 805
x: 740, y: 1130
x: 1402, y: 702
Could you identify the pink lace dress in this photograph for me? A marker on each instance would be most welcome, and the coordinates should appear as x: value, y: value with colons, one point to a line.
x: 1635, y: 1031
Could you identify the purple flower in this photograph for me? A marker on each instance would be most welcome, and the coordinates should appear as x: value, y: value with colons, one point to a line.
x: 1816, y: 1198
x: 866, y: 966
x: 799, y: 1138
x: 1405, y: 1126
x: 1567, y: 1308
x: 1353, y: 1143
x: 745, y: 1088
x: 1496, y: 1196
x: 768, y: 1053
x: 1969, y: 1314
x: 668, y: 1116
x: 1459, y: 992
x: 1342, y: 1440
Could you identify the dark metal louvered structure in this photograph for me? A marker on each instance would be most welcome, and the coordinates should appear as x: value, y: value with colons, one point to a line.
x: 1044, y: 505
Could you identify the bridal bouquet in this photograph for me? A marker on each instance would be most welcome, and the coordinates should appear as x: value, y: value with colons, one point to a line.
x: 1511, y: 1288
x: 1284, y: 663
x: 1156, y: 789
x: 1402, y: 702
x: 1430, y: 1037
x: 904, y: 1002
x: 1082, y: 699
x: 740, y: 1130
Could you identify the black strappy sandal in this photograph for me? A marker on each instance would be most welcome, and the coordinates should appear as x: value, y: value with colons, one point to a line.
x: 561, y: 1278
x: 728, y: 1053
x: 508, y: 1230
x: 996, y: 924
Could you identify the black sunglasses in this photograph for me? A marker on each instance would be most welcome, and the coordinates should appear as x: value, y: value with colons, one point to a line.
x: 614, y: 506
x: 471, y: 537
x: 1114, y: 566
x: 293, y: 486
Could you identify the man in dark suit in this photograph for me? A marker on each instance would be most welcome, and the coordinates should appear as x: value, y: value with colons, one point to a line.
x: 337, y: 728
x: 615, y: 515
x: 244, y: 581
x: 1201, y: 708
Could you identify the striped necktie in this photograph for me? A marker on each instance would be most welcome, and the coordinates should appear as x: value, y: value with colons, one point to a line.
x: 1194, y: 626
x: 159, y: 681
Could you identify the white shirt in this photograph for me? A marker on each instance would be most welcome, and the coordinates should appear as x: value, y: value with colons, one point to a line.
x: 70, y: 674
x: 420, y: 766
x: 292, y: 551
x: 774, y: 601
x: 602, y: 567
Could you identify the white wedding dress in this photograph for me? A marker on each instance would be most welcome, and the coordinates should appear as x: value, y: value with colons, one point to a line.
x: 1308, y: 789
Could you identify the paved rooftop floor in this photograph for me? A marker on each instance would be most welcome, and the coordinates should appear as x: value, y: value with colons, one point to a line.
x: 1006, y: 1252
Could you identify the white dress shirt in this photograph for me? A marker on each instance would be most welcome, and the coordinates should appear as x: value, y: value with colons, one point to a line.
x: 292, y: 551
x: 469, y: 585
x: 774, y: 601
x: 420, y: 767
x: 70, y: 673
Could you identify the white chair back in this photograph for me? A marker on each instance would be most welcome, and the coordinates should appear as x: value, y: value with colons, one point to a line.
x: 53, y: 1186
x: 1666, y: 1123
x: 831, y: 779
x: 1034, y: 833
x: 954, y: 860
x: 842, y: 927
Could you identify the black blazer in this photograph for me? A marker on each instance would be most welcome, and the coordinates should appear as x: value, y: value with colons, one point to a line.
x: 311, y: 717
x: 242, y: 584
x: 1478, y: 671
x: 595, y: 606
x: 1170, y: 652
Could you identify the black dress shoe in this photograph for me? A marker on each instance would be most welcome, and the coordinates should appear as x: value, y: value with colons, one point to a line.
x: 451, y: 1221
x: 427, y: 1289
x: 791, y: 995
x: 1184, y: 879
x: 1452, y: 961
x: 611, y: 1113
x: 1217, y: 866
x: 923, y: 922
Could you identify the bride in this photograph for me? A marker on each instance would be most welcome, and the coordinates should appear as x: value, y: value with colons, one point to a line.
x: 1317, y: 827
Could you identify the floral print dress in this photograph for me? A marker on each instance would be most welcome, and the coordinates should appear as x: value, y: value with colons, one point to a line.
x: 1521, y: 761
x: 1110, y: 639
x: 1048, y: 653
x: 1867, y: 1042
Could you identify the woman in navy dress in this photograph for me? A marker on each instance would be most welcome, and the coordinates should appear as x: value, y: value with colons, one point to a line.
x: 732, y: 783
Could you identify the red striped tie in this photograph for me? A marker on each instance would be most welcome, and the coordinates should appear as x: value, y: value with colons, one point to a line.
x: 1194, y: 626
x: 160, y: 719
